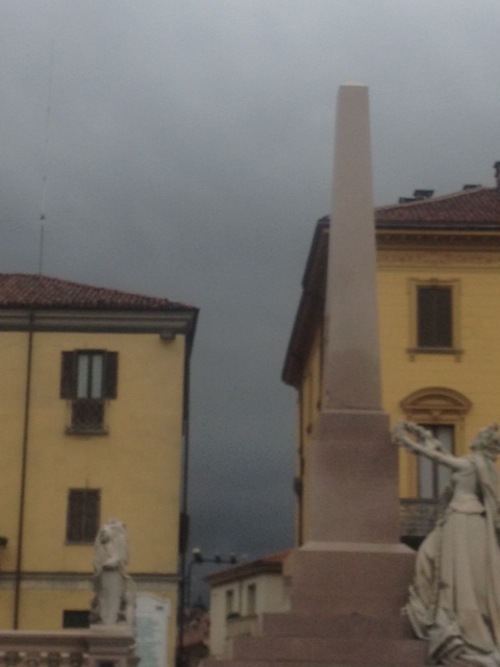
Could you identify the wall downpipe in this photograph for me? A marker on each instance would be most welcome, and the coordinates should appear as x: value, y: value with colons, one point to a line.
x: 184, y: 516
x: 24, y: 459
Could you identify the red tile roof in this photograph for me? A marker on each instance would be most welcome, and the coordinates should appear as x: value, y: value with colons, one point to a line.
x: 272, y: 564
x: 477, y: 208
x: 275, y: 558
x: 20, y: 290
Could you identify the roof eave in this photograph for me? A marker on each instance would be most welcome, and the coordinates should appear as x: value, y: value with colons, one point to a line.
x: 244, y: 571
x: 164, y: 322
x: 310, y: 305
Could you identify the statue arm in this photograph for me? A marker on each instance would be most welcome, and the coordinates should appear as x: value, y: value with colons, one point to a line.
x: 418, y: 440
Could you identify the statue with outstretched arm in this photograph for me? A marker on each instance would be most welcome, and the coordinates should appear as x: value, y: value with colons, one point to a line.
x: 454, y: 599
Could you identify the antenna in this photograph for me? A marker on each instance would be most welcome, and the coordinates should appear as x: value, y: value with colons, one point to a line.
x: 43, y: 197
x: 40, y: 255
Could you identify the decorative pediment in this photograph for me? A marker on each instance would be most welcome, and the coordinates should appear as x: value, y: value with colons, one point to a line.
x: 435, y: 404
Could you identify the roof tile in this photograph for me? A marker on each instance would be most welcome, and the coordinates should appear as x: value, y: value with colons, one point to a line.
x: 21, y: 290
x: 476, y: 208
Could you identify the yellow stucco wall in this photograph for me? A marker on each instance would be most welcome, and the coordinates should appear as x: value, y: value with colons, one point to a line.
x: 137, y: 465
x: 13, y: 350
x: 475, y: 372
x: 309, y: 403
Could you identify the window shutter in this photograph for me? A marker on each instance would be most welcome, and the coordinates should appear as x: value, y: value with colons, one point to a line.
x: 435, y: 317
x: 76, y: 504
x: 83, y: 515
x: 92, y: 514
x: 110, y: 380
x: 68, y: 375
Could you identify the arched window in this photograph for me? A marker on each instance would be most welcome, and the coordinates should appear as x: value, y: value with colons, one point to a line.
x: 441, y: 411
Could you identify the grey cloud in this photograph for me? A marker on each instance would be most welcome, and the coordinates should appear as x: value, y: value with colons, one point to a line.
x: 189, y: 155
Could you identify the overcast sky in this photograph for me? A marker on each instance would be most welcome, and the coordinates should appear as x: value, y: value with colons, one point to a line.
x: 188, y: 154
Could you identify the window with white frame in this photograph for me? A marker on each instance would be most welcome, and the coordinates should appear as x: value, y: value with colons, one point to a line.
x: 88, y: 379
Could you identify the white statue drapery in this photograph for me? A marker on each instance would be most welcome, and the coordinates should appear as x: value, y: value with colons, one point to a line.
x: 454, y: 599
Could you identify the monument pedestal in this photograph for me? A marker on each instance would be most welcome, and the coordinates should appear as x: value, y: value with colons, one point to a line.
x: 353, y: 487
x: 339, y: 579
x: 346, y: 602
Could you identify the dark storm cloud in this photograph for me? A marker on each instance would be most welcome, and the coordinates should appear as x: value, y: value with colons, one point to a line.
x: 189, y: 155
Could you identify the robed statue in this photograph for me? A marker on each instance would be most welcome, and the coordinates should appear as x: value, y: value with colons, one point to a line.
x: 454, y: 599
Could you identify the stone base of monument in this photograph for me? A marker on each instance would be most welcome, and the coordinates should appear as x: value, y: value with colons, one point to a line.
x: 358, y: 578
x: 346, y: 602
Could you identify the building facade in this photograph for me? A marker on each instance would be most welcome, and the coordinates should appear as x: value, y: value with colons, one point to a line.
x: 241, y: 595
x: 438, y: 280
x: 93, y: 413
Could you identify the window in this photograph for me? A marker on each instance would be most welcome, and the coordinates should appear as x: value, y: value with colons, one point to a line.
x: 251, y: 600
x: 88, y: 377
x: 75, y: 619
x: 442, y: 411
x: 82, y: 522
x: 229, y: 602
x: 434, y: 316
x: 433, y: 477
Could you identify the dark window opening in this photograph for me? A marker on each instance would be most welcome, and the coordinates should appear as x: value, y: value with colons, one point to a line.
x: 76, y: 619
x: 82, y: 524
x: 434, y: 317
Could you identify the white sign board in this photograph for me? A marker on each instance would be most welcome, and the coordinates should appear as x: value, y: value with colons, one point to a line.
x: 152, y: 630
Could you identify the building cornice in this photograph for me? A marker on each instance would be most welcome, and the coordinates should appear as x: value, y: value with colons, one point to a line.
x: 97, y: 321
x: 394, y: 239
x: 82, y: 580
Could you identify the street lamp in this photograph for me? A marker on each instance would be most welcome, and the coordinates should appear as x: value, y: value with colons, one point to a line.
x: 197, y: 558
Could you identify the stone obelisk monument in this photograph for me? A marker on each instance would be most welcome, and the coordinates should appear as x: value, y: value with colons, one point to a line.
x: 354, y: 465
x: 350, y: 579
x: 352, y: 561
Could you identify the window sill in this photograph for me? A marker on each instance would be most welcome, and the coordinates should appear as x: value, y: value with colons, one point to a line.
x: 71, y: 430
x: 78, y: 544
x: 450, y: 351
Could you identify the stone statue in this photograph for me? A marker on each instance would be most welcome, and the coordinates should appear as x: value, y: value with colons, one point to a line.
x: 454, y: 600
x: 114, y: 593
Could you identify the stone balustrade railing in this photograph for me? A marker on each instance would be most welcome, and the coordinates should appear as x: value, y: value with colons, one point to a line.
x: 112, y: 647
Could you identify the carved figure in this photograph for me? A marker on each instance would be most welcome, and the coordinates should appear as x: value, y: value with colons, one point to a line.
x: 454, y: 600
x: 114, y: 592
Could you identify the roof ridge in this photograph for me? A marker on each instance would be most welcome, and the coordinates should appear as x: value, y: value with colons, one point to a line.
x: 428, y: 200
x: 66, y: 281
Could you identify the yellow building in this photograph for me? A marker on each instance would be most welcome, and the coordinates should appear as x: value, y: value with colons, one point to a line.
x: 93, y: 415
x: 438, y: 280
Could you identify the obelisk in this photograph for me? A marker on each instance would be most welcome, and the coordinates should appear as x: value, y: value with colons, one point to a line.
x: 348, y: 581
x: 353, y: 479
x: 351, y: 561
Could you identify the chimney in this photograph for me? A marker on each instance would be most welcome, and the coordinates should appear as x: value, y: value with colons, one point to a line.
x: 496, y: 167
